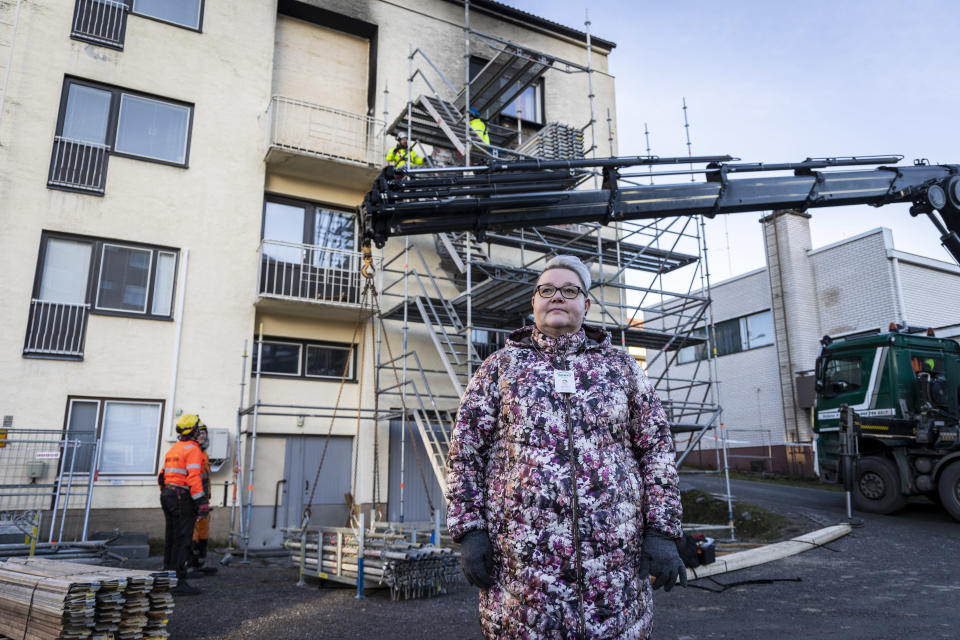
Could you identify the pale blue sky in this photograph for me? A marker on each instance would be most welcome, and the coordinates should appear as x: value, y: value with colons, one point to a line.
x: 780, y: 81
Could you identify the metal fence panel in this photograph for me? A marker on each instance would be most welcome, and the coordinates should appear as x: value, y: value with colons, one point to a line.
x: 39, y: 483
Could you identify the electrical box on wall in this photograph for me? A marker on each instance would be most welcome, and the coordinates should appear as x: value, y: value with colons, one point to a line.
x: 218, y: 448
x: 36, y: 469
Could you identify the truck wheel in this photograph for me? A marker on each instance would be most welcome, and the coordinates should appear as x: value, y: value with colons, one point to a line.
x: 877, y: 486
x: 949, y: 490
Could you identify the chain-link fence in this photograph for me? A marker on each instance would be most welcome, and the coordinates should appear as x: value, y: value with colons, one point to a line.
x: 45, y: 487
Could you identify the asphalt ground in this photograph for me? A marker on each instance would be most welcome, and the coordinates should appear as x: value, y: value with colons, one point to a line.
x: 895, y: 577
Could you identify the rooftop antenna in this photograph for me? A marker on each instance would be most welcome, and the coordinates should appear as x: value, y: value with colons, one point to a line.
x: 646, y: 134
x: 590, y: 94
x: 686, y: 126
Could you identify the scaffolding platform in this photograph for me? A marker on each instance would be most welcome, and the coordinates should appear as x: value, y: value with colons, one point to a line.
x: 514, y: 315
x: 581, y: 241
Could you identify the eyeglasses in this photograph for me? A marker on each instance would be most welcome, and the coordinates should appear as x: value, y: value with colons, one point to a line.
x: 548, y: 291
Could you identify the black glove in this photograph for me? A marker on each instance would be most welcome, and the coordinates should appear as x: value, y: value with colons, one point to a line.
x: 659, y: 558
x: 477, y: 559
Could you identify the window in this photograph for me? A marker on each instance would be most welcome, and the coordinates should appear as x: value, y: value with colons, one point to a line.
x: 293, y: 222
x: 128, y: 432
x: 696, y: 352
x: 185, y: 13
x: 152, y: 129
x: 528, y: 106
x: 726, y: 337
x: 486, y: 341
x: 757, y: 330
x: 306, y: 359
x: 309, y: 252
x: 97, y: 121
x: 113, y: 277
x: 842, y: 374
x: 732, y: 336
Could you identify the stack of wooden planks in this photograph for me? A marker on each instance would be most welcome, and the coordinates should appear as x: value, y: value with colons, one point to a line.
x: 40, y: 599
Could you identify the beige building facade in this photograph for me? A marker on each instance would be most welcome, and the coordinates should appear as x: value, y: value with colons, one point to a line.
x: 178, y: 177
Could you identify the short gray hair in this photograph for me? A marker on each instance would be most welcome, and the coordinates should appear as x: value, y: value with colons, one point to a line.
x: 572, y: 263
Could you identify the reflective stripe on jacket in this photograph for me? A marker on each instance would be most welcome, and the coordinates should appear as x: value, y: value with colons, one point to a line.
x: 183, y: 467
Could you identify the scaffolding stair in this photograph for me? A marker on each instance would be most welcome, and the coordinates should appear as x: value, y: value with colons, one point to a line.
x: 452, y: 248
x: 436, y: 122
x: 503, y: 79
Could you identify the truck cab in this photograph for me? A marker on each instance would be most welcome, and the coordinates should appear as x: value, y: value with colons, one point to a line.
x: 904, y: 388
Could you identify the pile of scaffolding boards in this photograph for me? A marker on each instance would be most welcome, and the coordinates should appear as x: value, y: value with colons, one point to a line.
x: 43, y: 599
x: 388, y: 558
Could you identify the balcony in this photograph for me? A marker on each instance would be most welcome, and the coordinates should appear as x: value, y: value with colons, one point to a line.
x: 321, y: 143
x: 101, y: 22
x: 78, y: 165
x: 56, y: 329
x: 303, y: 279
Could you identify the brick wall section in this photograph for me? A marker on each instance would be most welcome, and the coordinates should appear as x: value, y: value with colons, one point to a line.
x: 927, y: 293
x: 855, y: 287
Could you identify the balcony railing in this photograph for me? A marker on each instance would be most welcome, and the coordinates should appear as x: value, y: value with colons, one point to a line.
x: 56, y: 329
x: 78, y: 165
x: 324, y: 132
x: 309, y: 273
x: 100, y: 21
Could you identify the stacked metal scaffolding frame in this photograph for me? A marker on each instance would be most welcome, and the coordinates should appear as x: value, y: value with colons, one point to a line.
x: 384, y: 555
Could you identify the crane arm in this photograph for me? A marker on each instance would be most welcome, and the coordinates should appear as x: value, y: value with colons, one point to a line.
x: 510, y: 195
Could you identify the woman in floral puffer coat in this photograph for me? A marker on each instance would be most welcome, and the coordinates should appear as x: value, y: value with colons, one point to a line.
x: 564, y: 481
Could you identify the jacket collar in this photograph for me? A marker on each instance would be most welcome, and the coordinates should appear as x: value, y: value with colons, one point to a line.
x: 588, y: 337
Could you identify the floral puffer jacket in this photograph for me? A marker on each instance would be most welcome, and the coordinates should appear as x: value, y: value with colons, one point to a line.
x: 565, y: 567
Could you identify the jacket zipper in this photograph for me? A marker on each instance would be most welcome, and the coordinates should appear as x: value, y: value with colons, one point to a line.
x: 581, y: 622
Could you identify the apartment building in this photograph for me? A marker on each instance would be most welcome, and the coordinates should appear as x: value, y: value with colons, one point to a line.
x: 768, y: 324
x: 179, y: 178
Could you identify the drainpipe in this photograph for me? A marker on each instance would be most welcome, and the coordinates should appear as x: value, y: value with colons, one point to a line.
x: 176, y: 343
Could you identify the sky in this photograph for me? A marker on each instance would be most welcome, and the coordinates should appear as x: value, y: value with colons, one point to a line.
x: 779, y: 82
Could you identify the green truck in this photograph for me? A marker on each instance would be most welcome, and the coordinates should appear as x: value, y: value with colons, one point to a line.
x: 904, y: 389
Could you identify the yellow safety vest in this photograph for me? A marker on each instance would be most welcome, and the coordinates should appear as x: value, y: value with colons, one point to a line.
x: 480, y: 127
x: 398, y: 157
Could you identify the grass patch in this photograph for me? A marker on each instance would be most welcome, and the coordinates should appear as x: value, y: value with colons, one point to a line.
x: 753, y: 523
x: 774, y: 478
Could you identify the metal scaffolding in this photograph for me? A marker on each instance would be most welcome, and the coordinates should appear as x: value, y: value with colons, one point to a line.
x: 436, y: 321
x: 651, y: 289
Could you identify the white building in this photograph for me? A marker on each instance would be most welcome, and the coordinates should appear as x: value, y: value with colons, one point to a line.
x: 177, y: 176
x: 769, y: 323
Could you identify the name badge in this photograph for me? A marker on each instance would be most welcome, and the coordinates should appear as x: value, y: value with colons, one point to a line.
x: 563, y: 382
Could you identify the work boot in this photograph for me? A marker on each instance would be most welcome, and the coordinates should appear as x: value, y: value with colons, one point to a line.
x: 184, y: 588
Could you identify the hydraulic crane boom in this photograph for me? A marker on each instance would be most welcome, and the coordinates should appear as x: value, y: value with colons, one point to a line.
x: 511, y: 195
